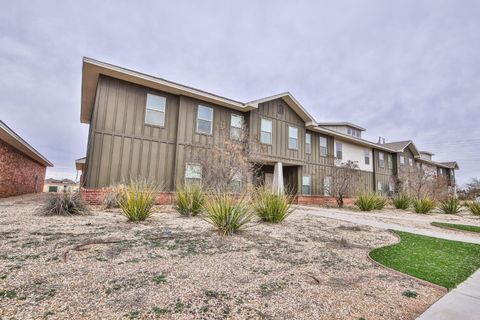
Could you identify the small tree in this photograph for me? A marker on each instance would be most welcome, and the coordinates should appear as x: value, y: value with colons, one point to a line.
x: 346, y: 173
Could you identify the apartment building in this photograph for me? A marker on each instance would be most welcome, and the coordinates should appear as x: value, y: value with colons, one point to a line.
x: 148, y: 127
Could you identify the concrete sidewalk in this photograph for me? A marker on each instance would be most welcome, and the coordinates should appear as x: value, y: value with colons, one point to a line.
x: 462, y: 303
x: 355, y: 218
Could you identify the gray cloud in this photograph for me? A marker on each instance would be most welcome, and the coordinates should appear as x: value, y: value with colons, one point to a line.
x: 409, y: 69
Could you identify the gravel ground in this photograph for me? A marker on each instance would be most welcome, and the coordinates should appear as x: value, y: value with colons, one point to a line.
x: 179, y: 268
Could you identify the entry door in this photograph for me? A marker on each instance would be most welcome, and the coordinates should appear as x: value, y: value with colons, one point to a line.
x: 268, y: 180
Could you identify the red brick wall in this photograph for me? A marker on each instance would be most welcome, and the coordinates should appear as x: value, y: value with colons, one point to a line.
x: 96, y: 196
x: 322, y: 201
x: 18, y: 172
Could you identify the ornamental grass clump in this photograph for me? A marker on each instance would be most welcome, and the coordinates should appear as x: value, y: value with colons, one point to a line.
x: 401, y: 201
x: 271, y: 207
x: 423, y: 205
x: 189, y: 200
x: 226, y: 213
x: 64, y: 204
x: 367, y: 202
x: 474, y: 208
x: 137, y: 199
x: 380, y: 203
x: 450, y: 206
x: 112, y: 197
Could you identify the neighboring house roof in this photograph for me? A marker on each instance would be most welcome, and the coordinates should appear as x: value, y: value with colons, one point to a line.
x: 13, y: 139
x: 62, y: 181
x: 348, y: 124
x: 399, y: 146
x: 451, y: 164
x: 427, y: 152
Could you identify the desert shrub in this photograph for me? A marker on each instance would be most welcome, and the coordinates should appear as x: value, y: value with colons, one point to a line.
x: 189, y: 200
x: 271, y: 207
x: 423, y: 205
x: 112, y: 198
x: 366, y: 202
x: 474, y: 208
x: 380, y: 203
x: 64, y: 204
x: 226, y: 213
x: 401, y: 201
x: 136, y: 200
x: 450, y: 206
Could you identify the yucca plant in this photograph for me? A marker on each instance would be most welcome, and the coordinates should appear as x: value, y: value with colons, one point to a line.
x: 190, y: 199
x: 226, y: 213
x: 271, y: 207
x: 137, y: 199
x: 380, y: 203
x: 64, y: 204
x: 474, y: 208
x: 423, y: 205
x: 450, y: 206
x: 401, y: 201
x: 366, y: 201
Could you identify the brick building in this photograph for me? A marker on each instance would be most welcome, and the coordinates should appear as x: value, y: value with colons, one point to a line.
x: 22, y: 168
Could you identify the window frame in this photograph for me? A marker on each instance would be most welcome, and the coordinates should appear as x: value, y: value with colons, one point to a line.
x: 309, y: 143
x: 390, y: 161
x: 379, y: 186
x: 193, y: 164
x: 337, y: 150
x: 410, y: 162
x: 322, y: 138
x: 237, y: 128
x: 309, y: 184
x: 381, y: 159
x: 147, y: 109
x: 366, y: 156
x: 198, y: 118
x: 271, y: 131
x: 327, y: 191
x: 288, y: 142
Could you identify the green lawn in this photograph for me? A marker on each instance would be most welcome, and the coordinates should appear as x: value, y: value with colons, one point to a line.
x: 457, y: 226
x: 443, y: 262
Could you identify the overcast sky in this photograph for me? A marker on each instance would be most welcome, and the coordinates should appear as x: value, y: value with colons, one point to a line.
x: 402, y: 69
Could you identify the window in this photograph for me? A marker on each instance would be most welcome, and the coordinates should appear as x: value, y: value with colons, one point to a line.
x: 381, y: 159
x: 391, y: 186
x: 193, y: 173
x: 266, y: 131
x: 402, y: 160
x: 236, y: 127
x: 358, y: 133
x: 292, y: 138
x: 323, y: 147
x: 306, y: 185
x: 367, y: 156
x: 308, y: 143
x: 441, y: 171
x: 236, y: 182
x: 155, y: 110
x: 379, y: 186
x: 204, y: 119
x: 410, y: 162
x: 339, y: 150
x: 349, y: 131
x: 419, y: 166
x: 451, y: 173
x: 327, y: 186
x: 390, y: 162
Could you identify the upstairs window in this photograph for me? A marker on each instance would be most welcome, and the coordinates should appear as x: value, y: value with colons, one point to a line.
x: 155, y: 110
x: 236, y: 127
x: 339, y: 146
x: 381, y: 160
x: 266, y: 131
x: 193, y: 173
x: 366, y: 152
x: 292, y: 138
x: 308, y: 143
x: 204, y: 120
x: 323, y: 147
x: 410, y: 162
x: 390, y: 162
x: 306, y: 185
x: 419, y: 166
x: 402, y: 160
x: 441, y: 171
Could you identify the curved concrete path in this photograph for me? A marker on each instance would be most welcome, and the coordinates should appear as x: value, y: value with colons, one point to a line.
x: 462, y: 303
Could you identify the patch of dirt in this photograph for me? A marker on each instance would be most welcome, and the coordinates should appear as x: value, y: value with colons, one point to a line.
x: 171, y: 267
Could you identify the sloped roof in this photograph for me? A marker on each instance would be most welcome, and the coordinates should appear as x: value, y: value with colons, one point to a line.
x: 399, y: 146
x: 80, y: 163
x: 451, y: 164
x: 344, y: 123
x: 13, y: 139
